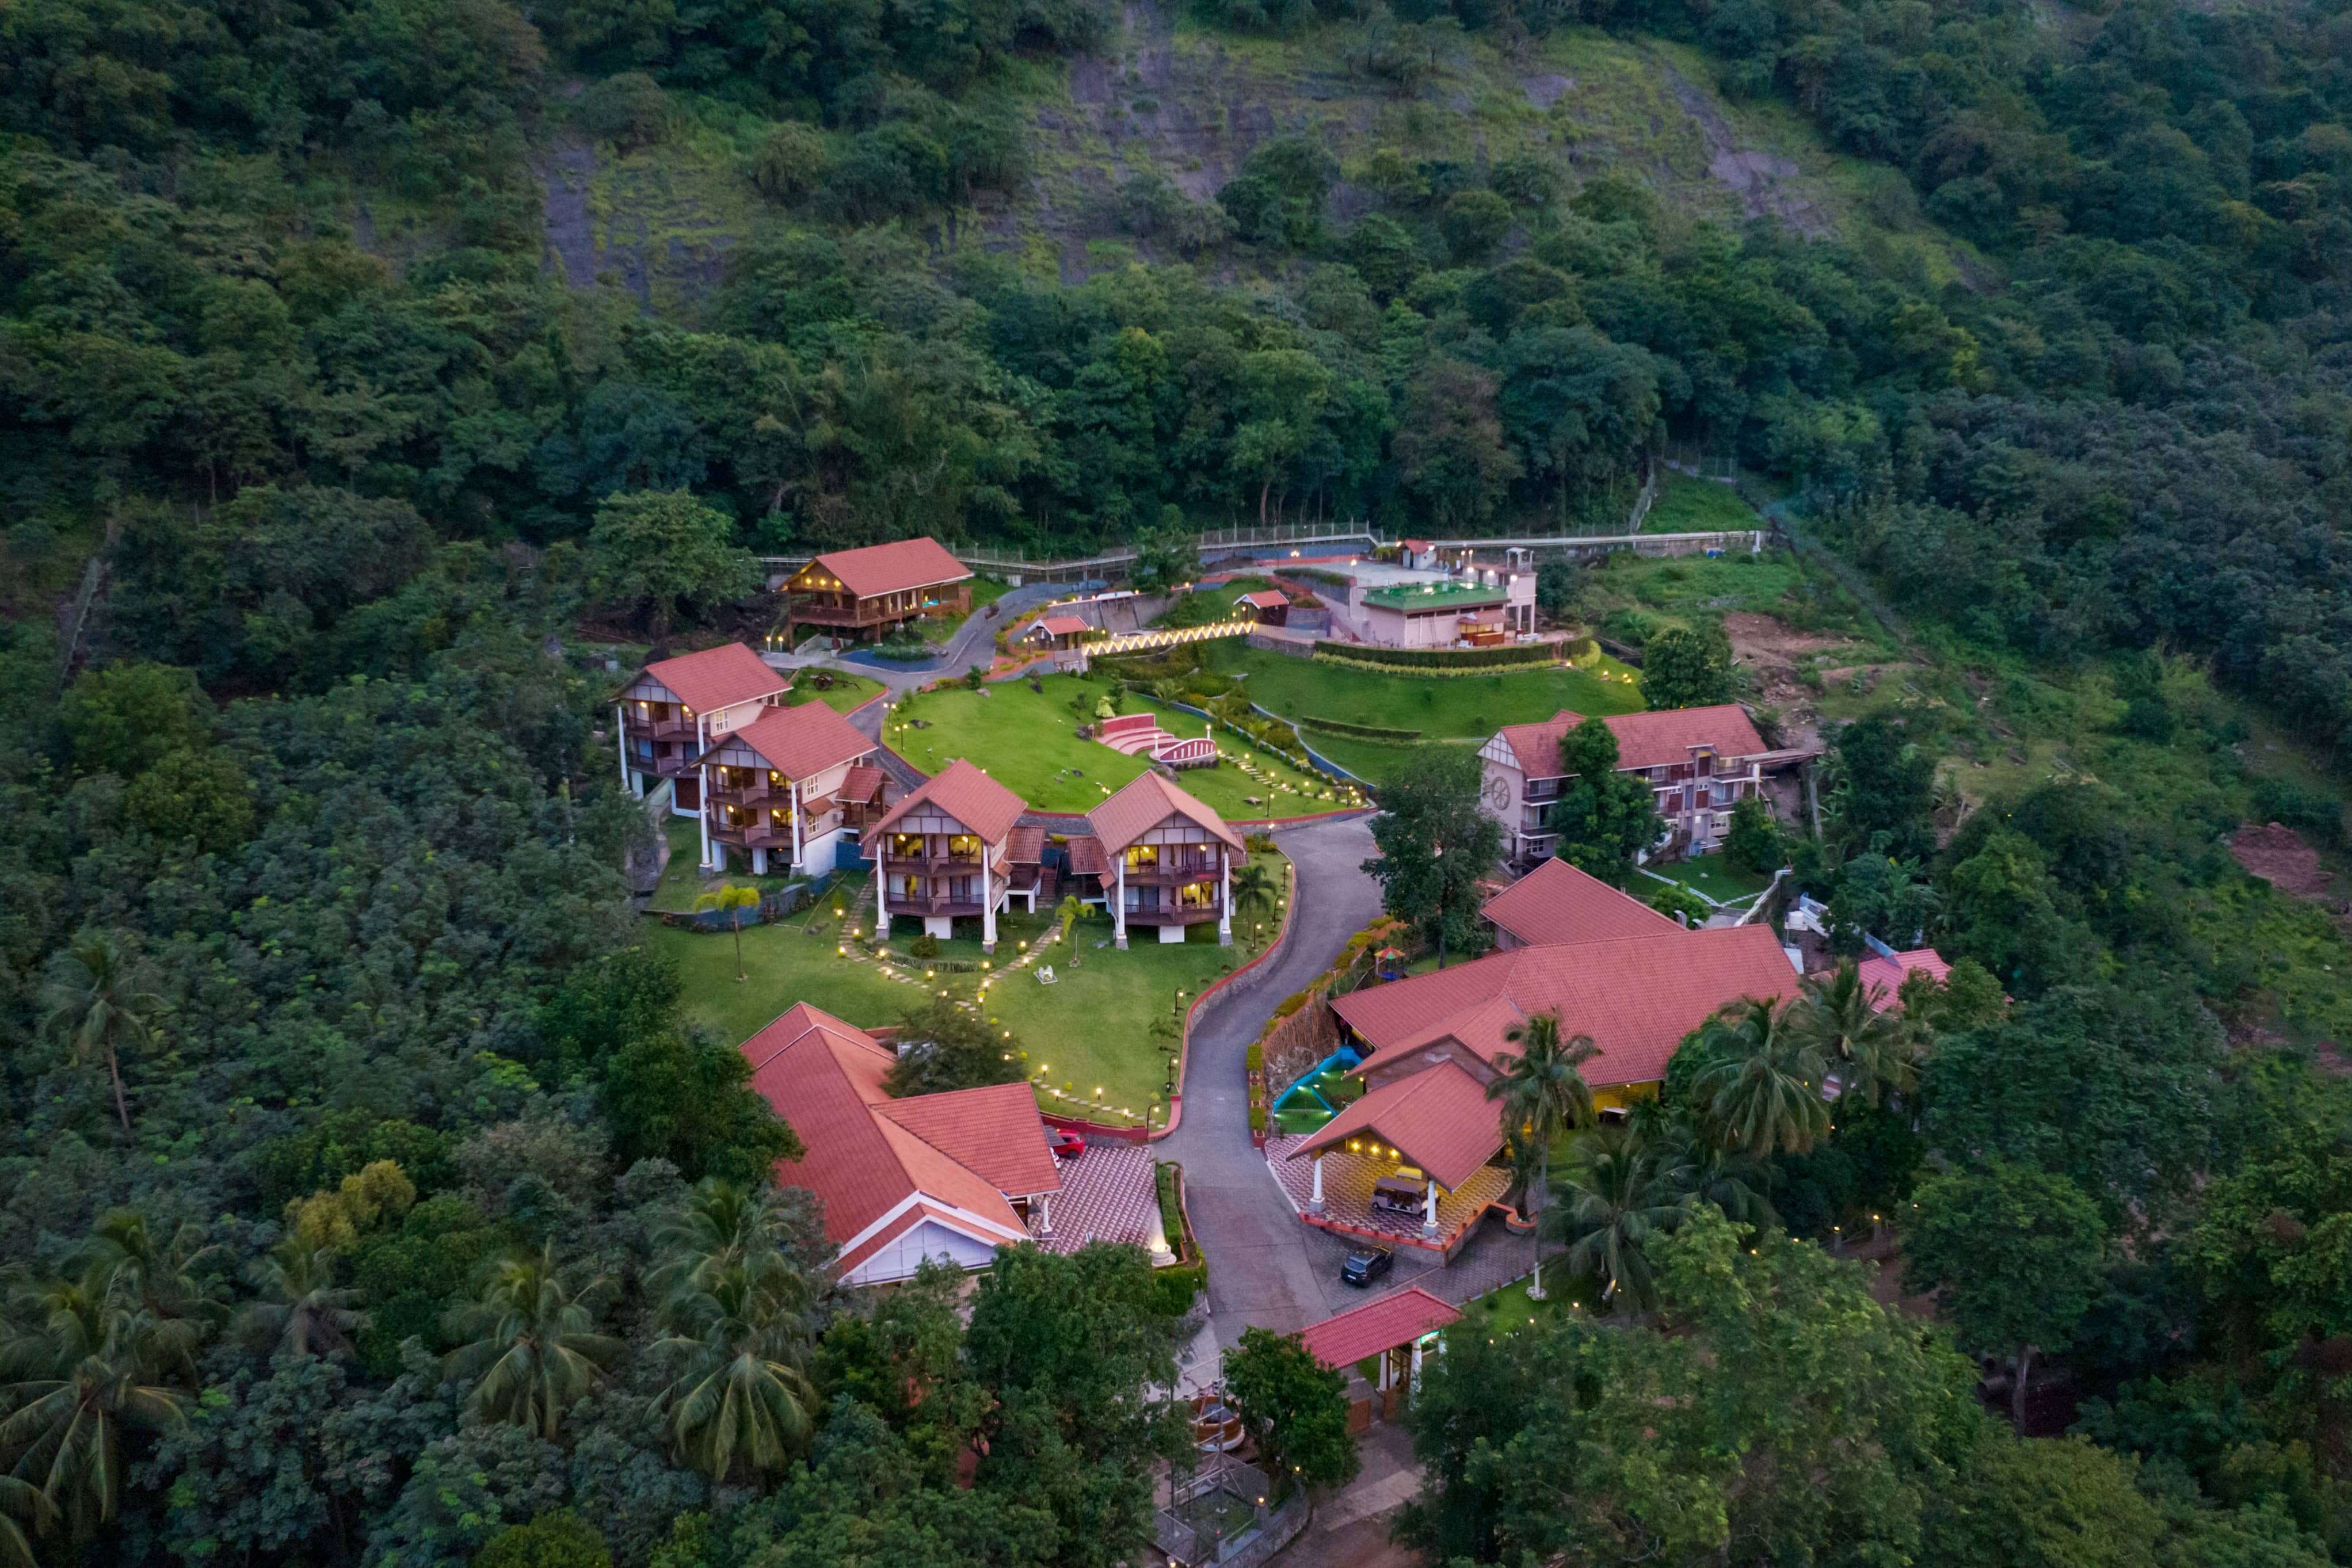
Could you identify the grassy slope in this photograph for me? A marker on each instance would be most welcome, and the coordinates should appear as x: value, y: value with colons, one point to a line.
x: 1688, y: 506
x: 1029, y: 742
x: 848, y: 692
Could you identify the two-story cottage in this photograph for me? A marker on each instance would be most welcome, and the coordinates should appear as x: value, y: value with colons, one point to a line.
x: 671, y: 711
x: 1698, y: 761
x: 946, y: 850
x: 863, y: 593
x: 1161, y: 860
x: 784, y: 787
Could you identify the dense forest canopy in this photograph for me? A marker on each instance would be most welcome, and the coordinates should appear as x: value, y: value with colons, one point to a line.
x: 325, y: 1050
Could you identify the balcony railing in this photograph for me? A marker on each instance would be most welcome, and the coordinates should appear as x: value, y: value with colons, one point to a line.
x: 1171, y: 915
x: 751, y: 794
x: 932, y: 904
x: 657, y: 728
x: 1181, y: 872
x: 759, y: 835
x: 931, y: 865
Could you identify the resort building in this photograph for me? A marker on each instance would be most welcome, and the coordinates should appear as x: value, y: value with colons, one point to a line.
x: 1391, y: 1332
x: 1397, y: 607
x: 1557, y: 903
x: 1160, y: 860
x: 862, y: 594
x: 671, y: 711
x: 1268, y: 606
x: 784, y: 789
x: 1417, y: 1160
x: 944, y: 851
x: 1698, y: 762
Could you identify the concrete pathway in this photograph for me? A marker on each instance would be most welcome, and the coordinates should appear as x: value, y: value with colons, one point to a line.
x: 1350, y: 1529
x: 1266, y: 1269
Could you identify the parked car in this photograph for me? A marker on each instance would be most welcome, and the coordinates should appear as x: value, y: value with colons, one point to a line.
x: 1366, y: 1264
x: 1067, y: 1145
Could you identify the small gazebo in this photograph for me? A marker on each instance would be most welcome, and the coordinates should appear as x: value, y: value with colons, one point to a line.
x: 1433, y: 1131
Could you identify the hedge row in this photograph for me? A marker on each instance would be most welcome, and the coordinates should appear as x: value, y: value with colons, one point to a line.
x: 1363, y: 731
x: 1437, y: 661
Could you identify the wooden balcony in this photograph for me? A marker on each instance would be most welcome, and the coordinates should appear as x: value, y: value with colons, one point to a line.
x: 760, y: 788
x: 657, y: 728
x: 930, y: 867
x: 1172, y: 875
x: 1171, y: 915
x: 763, y: 834
x: 934, y: 906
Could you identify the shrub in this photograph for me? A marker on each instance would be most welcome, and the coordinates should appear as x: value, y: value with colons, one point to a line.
x: 924, y: 947
x: 560, y: 1539
x: 1173, y: 1288
x: 1671, y: 898
x: 1754, y: 841
x: 629, y: 111
x: 1254, y: 1058
x: 1257, y: 1118
x: 1436, y: 660
x: 2315, y: 813
x: 1363, y: 731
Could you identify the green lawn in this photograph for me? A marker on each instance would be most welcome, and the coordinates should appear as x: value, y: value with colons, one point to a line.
x: 1468, y: 706
x: 1029, y: 742
x: 683, y: 877
x: 785, y: 965
x: 846, y: 692
x: 1688, y: 506
x: 1715, y: 877
x: 1509, y: 1310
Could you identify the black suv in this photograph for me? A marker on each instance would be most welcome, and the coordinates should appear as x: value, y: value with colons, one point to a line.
x: 1366, y: 1264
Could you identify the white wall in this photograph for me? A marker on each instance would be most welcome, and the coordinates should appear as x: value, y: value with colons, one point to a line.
x: 902, y: 1256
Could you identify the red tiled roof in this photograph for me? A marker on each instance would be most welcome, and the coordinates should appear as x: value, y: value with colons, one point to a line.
x: 962, y: 792
x: 1086, y: 857
x: 1882, y: 978
x: 995, y: 1131
x: 1266, y: 599
x: 892, y: 569
x: 1397, y: 1319
x: 861, y: 784
x: 1063, y: 625
x: 1145, y: 802
x: 717, y: 677
x: 1440, y: 1120
x: 1637, y: 997
x: 799, y: 742
x: 1026, y: 846
x: 1643, y: 739
x: 866, y: 1155
x: 1556, y: 902
x: 1415, y: 544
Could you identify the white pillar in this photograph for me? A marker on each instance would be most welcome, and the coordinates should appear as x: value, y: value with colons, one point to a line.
x: 1045, y: 1213
x: 881, y: 889
x: 792, y: 801
x: 1118, y: 902
x: 701, y: 818
x: 1429, y: 1215
x: 1225, y: 896
x: 621, y: 738
x: 987, y: 906
x: 1416, y: 1364
x: 1315, y: 1204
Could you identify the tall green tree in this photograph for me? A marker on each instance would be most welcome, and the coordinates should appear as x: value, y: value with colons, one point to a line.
x: 737, y: 1336
x: 1761, y: 1081
x: 1605, y: 818
x: 301, y: 1311
x: 1435, y: 846
x: 730, y: 899
x: 1542, y: 1088
x: 664, y: 554
x: 2016, y: 1254
x: 1865, y: 1043
x: 97, y: 1007
x: 1294, y: 1408
x: 1686, y: 666
x: 1615, y: 1201
x: 530, y: 1346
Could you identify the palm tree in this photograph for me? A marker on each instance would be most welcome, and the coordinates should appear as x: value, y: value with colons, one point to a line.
x: 532, y: 1344
x: 733, y: 898
x: 1871, y: 1053
x: 170, y: 1280
x: 303, y: 1309
x: 1615, y: 1203
x: 738, y: 1337
x: 24, y: 1514
x: 1695, y: 1169
x: 1544, y: 1093
x: 100, y: 1010
x: 1068, y: 912
x: 79, y: 1365
x: 1253, y: 889
x: 722, y: 1224
x: 1761, y: 1081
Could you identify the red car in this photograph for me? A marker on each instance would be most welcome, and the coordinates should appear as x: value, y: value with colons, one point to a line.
x: 1065, y: 1145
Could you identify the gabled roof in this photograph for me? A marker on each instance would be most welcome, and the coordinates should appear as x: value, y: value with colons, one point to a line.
x: 1063, y: 625
x: 878, y: 1162
x: 716, y: 677
x: 799, y: 742
x: 1556, y: 902
x: 861, y: 784
x: 1397, y: 1319
x: 962, y: 792
x: 1266, y: 599
x: 1881, y: 977
x: 1415, y: 544
x: 1637, y: 997
x: 1086, y: 857
x: 1026, y: 846
x: 1146, y: 802
x: 892, y: 568
x: 1440, y: 1120
x: 1643, y: 739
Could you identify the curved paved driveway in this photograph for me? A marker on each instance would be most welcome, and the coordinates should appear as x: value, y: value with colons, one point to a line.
x: 1262, y: 1270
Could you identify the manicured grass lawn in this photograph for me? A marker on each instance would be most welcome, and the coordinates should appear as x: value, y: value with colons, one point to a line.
x: 787, y: 966
x: 1438, y: 706
x: 1091, y: 1050
x: 1029, y: 742
x: 1715, y: 877
x: 1688, y: 506
x: 683, y: 878
x: 1509, y: 1310
x: 848, y: 691
x: 1371, y: 759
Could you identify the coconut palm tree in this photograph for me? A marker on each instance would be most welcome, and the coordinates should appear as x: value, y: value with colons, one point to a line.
x: 533, y: 1348
x: 172, y: 1279
x: 25, y: 1514
x: 1254, y: 889
x: 99, y: 1010
x: 1614, y: 1204
x: 1870, y: 1051
x: 1695, y: 1169
x: 732, y: 898
x: 722, y: 1224
x: 1068, y: 912
x: 77, y: 1366
x: 1544, y: 1093
x: 1761, y: 1083
x: 301, y: 1308
x: 738, y: 1337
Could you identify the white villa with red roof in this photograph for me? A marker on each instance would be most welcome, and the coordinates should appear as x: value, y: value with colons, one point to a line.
x: 672, y: 711
x: 857, y: 592
x: 1424, y: 1131
x: 1162, y: 860
x: 945, y: 1177
x: 1698, y: 761
x: 948, y: 848
x: 784, y: 789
